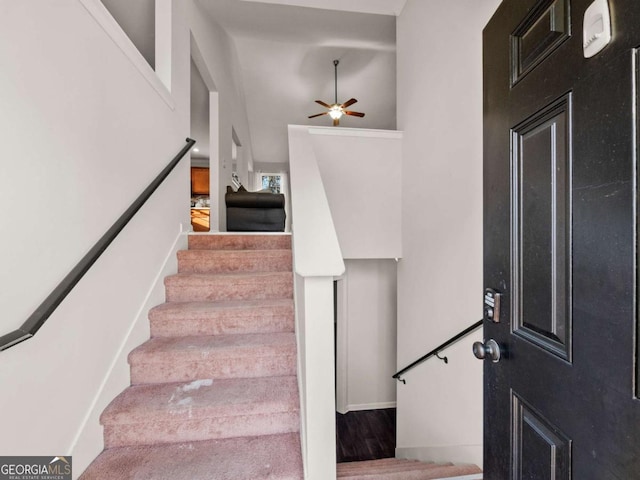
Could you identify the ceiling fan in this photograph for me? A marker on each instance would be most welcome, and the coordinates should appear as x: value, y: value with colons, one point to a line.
x: 336, y: 110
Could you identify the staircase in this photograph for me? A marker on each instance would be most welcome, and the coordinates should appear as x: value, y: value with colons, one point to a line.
x: 399, y: 469
x: 214, y: 392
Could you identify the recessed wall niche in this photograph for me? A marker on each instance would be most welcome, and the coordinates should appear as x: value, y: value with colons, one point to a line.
x: 137, y: 19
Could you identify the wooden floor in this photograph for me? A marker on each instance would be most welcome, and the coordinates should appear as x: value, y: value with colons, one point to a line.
x: 366, y: 435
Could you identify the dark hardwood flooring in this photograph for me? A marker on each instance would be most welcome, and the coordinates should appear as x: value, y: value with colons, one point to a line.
x: 366, y: 435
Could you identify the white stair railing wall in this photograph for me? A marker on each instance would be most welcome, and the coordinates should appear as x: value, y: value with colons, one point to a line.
x: 317, y: 261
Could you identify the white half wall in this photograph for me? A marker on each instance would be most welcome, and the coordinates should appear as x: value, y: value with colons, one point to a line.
x: 314, y: 333
x: 440, y: 275
x: 361, y: 171
x: 316, y: 261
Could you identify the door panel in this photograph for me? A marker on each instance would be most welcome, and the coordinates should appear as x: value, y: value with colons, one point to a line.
x: 540, y: 450
x: 560, y: 244
x: 541, y: 228
x: 543, y: 29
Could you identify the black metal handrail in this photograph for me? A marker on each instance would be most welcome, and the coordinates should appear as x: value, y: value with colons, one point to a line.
x: 435, y: 352
x: 48, y: 306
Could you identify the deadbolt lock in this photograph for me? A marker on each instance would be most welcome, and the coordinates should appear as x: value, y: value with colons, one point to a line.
x: 492, y: 305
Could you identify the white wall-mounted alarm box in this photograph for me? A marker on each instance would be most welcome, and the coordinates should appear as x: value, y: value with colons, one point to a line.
x: 596, y: 30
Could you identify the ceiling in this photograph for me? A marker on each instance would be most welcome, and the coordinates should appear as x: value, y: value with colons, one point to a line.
x: 286, y: 50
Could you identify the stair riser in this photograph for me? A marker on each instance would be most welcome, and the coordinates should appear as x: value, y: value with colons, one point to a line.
x: 198, y: 289
x: 263, y: 320
x: 206, y: 261
x: 429, y: 474
x: 239, y: 242
x: 154, y: 370
x: 183, y: 429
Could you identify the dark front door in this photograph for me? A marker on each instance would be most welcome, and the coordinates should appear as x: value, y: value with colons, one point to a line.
x: 560, y: 244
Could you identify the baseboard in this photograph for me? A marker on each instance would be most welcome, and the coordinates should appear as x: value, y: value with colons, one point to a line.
x: 88, y: 442
x: 458, y: 454
x: 369, y: 406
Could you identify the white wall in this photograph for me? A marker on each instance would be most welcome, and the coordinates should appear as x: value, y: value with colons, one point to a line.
x: 85, y: 125
x: 440, y: 275
x: 361, y: 172
x: 215, y: 55
x: 83, y: 130
x: 367, y: 335
x: 200, y: 116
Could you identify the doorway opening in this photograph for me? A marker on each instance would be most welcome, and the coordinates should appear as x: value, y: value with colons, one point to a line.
x: 365, y: 356
x: 205, y: 125
x: 200, y: 163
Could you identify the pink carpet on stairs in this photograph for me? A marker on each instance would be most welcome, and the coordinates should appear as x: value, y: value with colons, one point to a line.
x: 202, y: 410
x: 215, y: 393
x: 219, y: 318
x: 244, y: 458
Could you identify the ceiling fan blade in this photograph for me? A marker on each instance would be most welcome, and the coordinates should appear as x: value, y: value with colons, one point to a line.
x: 326, y: 105
x: 354, y: 114
x: 349, y: 103
x: 318, y: 114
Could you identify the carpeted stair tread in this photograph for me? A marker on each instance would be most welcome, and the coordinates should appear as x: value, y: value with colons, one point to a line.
x: 189, y: 287
x: 229, y: 261
x: 392, y: 468
x: 219, y: 318
x: 377, y: 466
x: 345, y: 466
x: 388, y: 469
x: 239, y: 242
x: 408, y: 471
x: 177, y: 359
x: 272, y: 457
x: 202, y: 410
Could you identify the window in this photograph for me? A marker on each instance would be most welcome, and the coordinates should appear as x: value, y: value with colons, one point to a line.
x: 272, y: 182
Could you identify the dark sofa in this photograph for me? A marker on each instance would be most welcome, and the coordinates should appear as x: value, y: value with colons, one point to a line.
x: 254, y: 211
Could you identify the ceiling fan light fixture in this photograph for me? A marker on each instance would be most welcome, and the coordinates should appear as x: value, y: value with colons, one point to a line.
x: 336, y: 112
